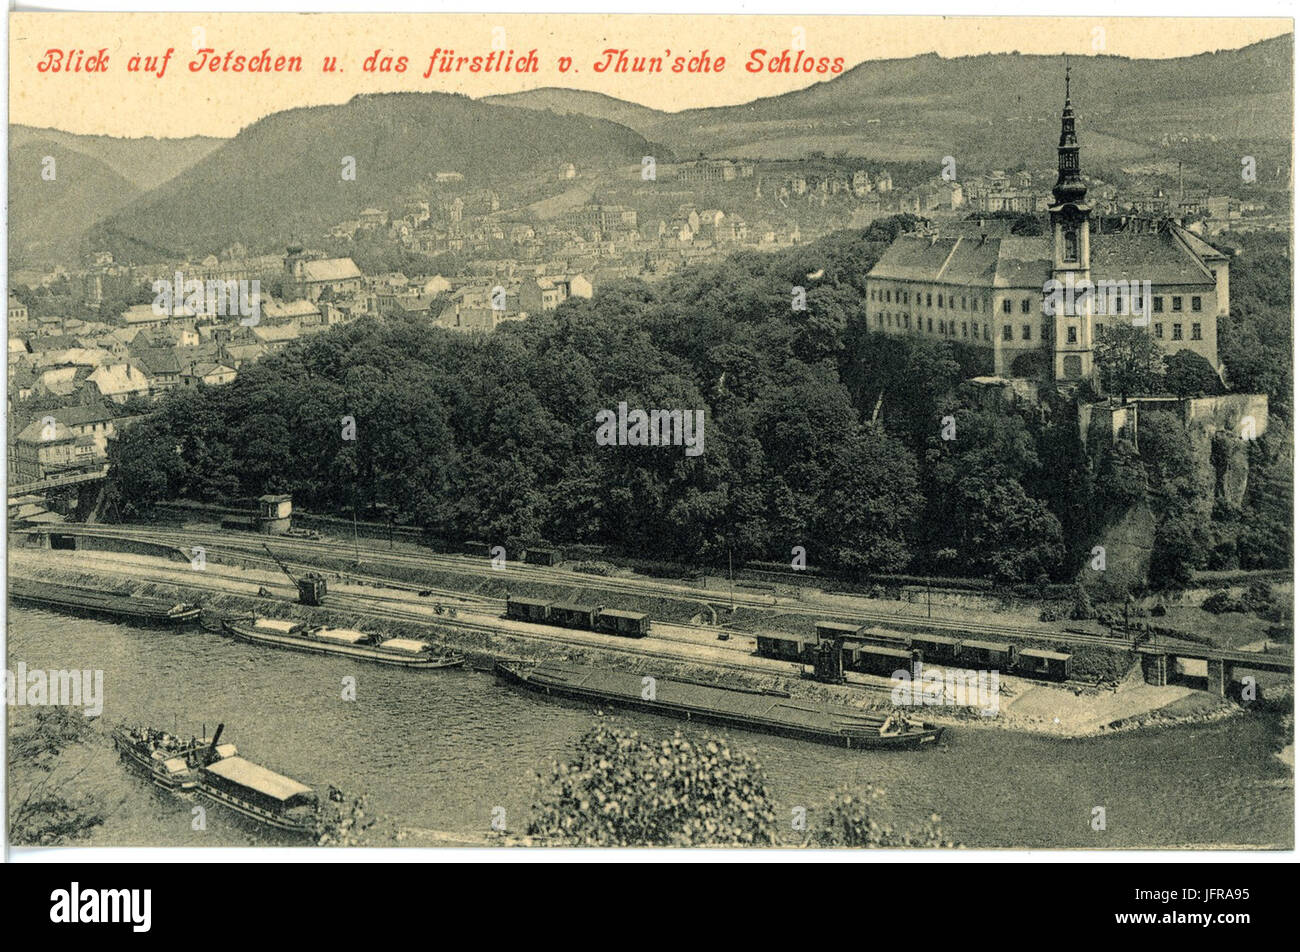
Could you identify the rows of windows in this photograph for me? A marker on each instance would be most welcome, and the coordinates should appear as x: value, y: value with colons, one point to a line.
x: 971, y: 330
x: 1175, y: 303
x: 977, y: 303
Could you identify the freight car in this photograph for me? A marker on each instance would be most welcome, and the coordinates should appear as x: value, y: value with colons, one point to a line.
x: 989, y: 654
x: 876, y: 659
x: 1040, y: 663
x: 787, y: 647
x: 885, y: 637
x: 937, y: 649
x: 610, y: 621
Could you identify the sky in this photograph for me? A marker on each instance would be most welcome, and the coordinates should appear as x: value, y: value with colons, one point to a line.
x: 182, y: 103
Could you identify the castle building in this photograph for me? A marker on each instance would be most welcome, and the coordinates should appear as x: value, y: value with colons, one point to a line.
x: 1039, y: 303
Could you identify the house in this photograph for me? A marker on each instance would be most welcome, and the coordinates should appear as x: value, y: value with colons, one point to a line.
x: 161, y: 367
x: 17, y: 313
x: 208, y: 373
x: 338, y: 276
x: 46, y: 447
x: 119, y: 382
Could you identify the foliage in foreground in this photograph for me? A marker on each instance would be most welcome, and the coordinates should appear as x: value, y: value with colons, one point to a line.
x: 43, y: 809
x: 625, y: 790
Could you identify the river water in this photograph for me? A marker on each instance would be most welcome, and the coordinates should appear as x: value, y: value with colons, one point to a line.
x: 444, y: 750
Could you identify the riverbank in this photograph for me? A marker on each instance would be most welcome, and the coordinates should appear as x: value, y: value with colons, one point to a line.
x: 1062, y: 711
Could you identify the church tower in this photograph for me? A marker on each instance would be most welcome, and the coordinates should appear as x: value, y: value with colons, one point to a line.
x: 1072, y: 325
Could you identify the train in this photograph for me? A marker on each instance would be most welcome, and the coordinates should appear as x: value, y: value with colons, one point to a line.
x: 607, y: 621
x: 875, y: 650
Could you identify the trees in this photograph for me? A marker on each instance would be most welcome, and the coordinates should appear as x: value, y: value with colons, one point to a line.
x: 1128, y: 361
x: 1188, y: 374
x: 626, y: 790
x: 44, y: 807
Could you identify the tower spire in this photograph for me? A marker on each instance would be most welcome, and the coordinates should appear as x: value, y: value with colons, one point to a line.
x: 1069, y: 188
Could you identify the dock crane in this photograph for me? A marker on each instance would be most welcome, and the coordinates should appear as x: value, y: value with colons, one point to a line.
x: 311, y: 587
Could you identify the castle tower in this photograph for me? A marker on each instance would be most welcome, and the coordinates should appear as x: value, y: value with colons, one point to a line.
x: 1072, y: 326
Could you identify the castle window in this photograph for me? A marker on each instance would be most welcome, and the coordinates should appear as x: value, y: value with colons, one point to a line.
x: 1071, y: 335
x: 1006, y: 332
x: 880, y: 318
x: 1159, y: 305
x: 1178, y: 330
x: 986, y: 332
x: 963, y: 328
x: 907, y: 321
x: 1024, y: 306
x: 941, y: 300
x: 929, y: 324
x: 1196, y: 332
x: 887, y: 297
x: 1178, y: 303
x: 873, y: 295
x: 928, y: 301
x: 1196, y: 303
x: 907, y: 297
x: 1047, y: 331
x: 1160, y: 332
x: 1026, y: 332
x: 1006, y: 305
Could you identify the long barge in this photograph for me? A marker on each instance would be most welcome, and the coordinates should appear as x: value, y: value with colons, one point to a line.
x: 70, y: 598
x: 320, y: 639
x: 766, y: 711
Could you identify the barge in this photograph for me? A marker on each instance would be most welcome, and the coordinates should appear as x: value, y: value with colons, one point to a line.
x: 260, y: 794
x: 69, y: 598
x: 767, y: 711
x: 320, y: 639
x: 171, y: 762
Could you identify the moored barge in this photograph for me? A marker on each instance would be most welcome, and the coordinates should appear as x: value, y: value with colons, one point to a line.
x: 320, y: 639
x: 171, y: 762
x: 766, y: 711
x: 70, y: 598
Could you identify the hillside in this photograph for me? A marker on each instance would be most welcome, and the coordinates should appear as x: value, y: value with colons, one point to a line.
x: 990, y: 109
x: 145, y: 162
x: 281, y: 177
x: 47, y: 218
x: 582, y: 102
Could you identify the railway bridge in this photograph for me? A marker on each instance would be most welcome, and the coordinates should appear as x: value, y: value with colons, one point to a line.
x: 1159, y: 658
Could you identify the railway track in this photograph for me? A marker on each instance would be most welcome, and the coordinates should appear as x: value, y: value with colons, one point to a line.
x: 372, y: 606
x: 248, y: 549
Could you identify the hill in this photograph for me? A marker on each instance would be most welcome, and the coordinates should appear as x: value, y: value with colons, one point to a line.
x: 145, y: 162
x: 993, y: 109
x: 281, y: 177
x: 48, y: 217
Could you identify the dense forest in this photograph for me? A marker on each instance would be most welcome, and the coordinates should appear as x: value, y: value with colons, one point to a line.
x: 867, y: 450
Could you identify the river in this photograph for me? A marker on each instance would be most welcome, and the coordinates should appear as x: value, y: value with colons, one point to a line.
x: 443, y: 750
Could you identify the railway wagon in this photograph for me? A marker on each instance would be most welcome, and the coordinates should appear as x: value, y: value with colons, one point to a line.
x: 885, y: 637
x: 1000, y: 655
x: 786, y: 647
x: 830, y: 630
x: 239, y: 523
x: 876, y: 659
x: 543, y: 556
x: 615, y: 621
x: 1041, y: 663
x: 572, y: 615
x: 937, y: 649
x: 528, y: 609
